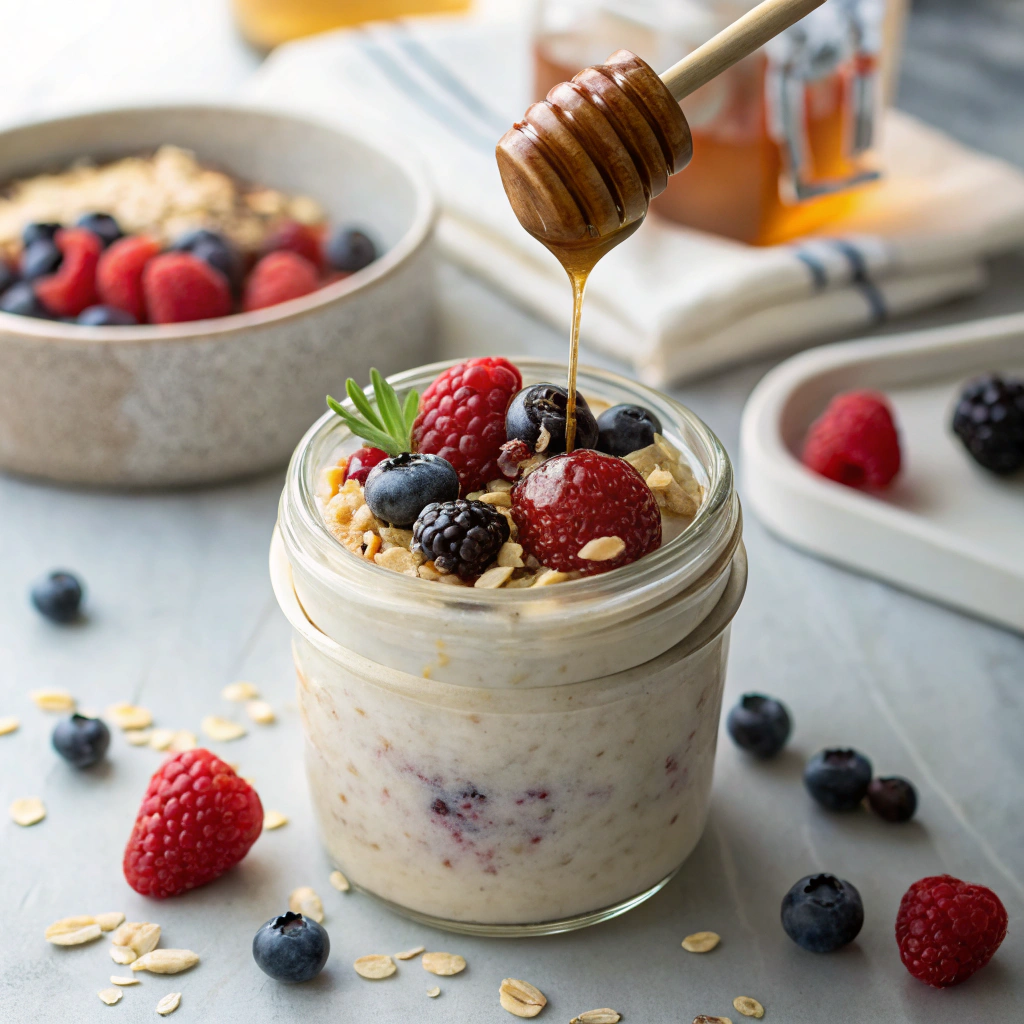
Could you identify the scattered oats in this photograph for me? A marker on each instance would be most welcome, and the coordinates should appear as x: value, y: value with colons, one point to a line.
x: 494, y: 577
x: 161, y: 739
x: 339, y: 881
x: 399, y: 560
x: 169, y: 1003
x: 138, y: 936
x: 221, y: 729
x: 550, y: 576
x: 521, y: 998
x: 8, y: 724
x: 123, y: 955
x: 500, y: 485
x: 73, y: 931
x: 183, y: 740
x: 602, y: 549
x: 138, y: 737
x: 27, y: 811
x: 53, y: 700
x: 120, y: 979
x: 705, y: 1019
x: 748, y: 1006
x: 128, y: 716
x: 260, y: 712
x: 502, y: 498
x: 433, y: 992
x: 166, y: 961
x: 511, y: 554
x: 443, y: 964
x: 110, y: 995
x: 375, y: 967
x: 410, y: 953
x: 701, y: 942
x: 110, y: 920
x: 240, y: 692
x: 543, y: 440
x: 274, y: 819
x: 602, y: 1016
x: 305, y: 901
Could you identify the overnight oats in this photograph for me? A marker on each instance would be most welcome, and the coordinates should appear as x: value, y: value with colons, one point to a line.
x: 510, y: 659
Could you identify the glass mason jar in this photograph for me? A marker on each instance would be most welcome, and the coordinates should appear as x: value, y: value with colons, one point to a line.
x: 784, y: 140
x: 512, y: 761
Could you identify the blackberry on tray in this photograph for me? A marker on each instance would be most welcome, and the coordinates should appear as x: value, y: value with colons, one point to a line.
x: 989, y: 420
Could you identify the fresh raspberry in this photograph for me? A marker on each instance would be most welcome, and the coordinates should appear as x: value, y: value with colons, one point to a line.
x: 947, y: 929
x: 854, y: 441
x: 197, y: 819
x: 119, y: 274
x: 573, y: 499
x: 462, y: 417
x: 291, y: 236
x: 361, y: 461
x: 178, y: 286
x: 278, y: 277
x: 72, y: 287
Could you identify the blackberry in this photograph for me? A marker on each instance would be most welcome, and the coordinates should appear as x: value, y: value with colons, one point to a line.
x: 461, y: 537
x: 989, y: 419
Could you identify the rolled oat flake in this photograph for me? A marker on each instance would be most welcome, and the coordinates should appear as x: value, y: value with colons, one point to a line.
x: 521, y: 998
x: 602, y: 1016
x: 748, y: 1006
x: 375, y: 966
x: 701, y: 942
x: 443, y: 964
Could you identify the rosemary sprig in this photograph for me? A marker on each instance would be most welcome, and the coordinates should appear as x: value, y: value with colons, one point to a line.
x: 389, y: 425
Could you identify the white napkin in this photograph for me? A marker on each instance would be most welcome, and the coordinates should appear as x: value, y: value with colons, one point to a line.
x: 671, y: 302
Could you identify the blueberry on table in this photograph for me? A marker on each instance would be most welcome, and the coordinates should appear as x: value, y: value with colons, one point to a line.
x: 626, y: 428
x: 105, y: 316
x: 838, y: 779
x: 58, y: 597
x: 461, y: 537
x: 102, y: 225
x: 822, y: 913
x: 37, y: 230
x: 350, y: 249
x: 40, y: 259
x: 892, y: 799
x: 291, y: 948
x: 400, y: 488
x: 21, y: 299
x: 989, y: 420
x: 537, y: 415
x: 759, y: 724
x: 81, y: 741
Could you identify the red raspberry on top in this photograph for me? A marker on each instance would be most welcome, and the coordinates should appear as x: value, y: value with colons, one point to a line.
x: 947, y: 929
x: 72, y: 287
x: 197, y: 819
x: 278, y: 277
x: 361, y: 461
x: 854, y: 441
x: 119, y: 274
x: 178, y: 286
x: 573, y: 499
x: 291, y: 236
x: 462, y: 417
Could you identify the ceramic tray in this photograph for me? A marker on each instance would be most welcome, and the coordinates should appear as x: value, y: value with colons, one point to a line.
x: 946, y: 529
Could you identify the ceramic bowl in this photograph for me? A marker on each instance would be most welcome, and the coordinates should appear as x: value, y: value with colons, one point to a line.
x: 161, y: 405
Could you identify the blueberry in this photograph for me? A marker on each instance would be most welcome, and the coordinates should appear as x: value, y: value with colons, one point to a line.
x: 81, y: 741
x: 58, y: 597
x: 759, y: 724
x: 102, y: 225
x: 37, y: 230
x: 543, y: 406
x: 838, y: 779
x: 350, y: 249
x: 822, y: 913
x: 291, y: 948
x: 8, y: 276
x: 40, y: 259
x: 626, y: 428
x: 105, y: 316
x: 893, y: 799
x: 400, y: 488
x: 215, y: 249
x: 21, y: 298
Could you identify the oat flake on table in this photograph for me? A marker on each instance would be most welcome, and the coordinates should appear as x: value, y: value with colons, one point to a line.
x: 240, y: 692
x: 375, y: 966
x: 273, y: 819
x: 748, y: 1006
x: 8, y: 724
x: 701, y: 942
x: 306, y: 902
x: 53, y: 700
x: 169, y: 1003
x: 137, y: 936
x: 410, y: 953
x: 120, y: 979
x: 166, y: 961
x: 29, y: 810
x: 110, y: 995
x: 73, y: 931
x: 128, y: 716
x: 521, y: 998
x: 221, y: 729
x: 433, y: 992
x: 602, y: 1016
x: 443, y: 964
x: 340, y: 882
x: 260, y: 712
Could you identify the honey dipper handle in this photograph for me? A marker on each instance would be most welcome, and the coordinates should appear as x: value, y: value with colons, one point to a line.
x: 734, y: 43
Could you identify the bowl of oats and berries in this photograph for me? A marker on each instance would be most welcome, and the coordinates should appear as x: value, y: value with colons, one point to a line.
x: 178, y: 281
x: 510, y: 656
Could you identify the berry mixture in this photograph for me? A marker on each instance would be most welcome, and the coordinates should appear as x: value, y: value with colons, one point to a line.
x: 470, y: 484
x: 162, y: 239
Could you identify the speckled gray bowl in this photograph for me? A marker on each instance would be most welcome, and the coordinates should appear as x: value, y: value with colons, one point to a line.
x: 214, y: 399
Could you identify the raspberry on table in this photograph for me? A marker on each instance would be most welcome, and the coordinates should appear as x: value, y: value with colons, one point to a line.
x: 178, y: 286
x: 197, y: 819
x: 854, y: 441
x: 119, y: 274
x: 573, y: 499
x: 947, y: 929
x: 278, y: 277
x: 72, y: 287
x: 462, y: 417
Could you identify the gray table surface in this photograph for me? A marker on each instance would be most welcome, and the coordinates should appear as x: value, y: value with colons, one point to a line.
x: 180, y: 604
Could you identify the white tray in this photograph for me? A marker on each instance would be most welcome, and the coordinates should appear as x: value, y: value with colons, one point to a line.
x: 946, y: 528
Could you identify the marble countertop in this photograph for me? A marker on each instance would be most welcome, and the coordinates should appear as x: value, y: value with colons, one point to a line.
x: 180, y: 604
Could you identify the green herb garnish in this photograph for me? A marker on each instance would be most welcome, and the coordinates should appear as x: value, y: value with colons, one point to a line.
x: 389, y: 426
